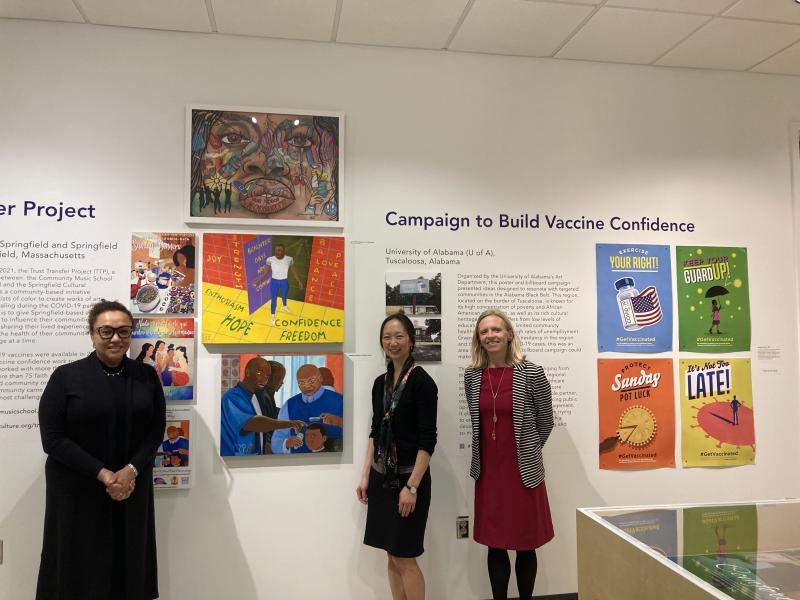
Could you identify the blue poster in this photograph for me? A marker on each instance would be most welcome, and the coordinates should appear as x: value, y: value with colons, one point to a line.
x: 634, y: 298
x: 657, y: 528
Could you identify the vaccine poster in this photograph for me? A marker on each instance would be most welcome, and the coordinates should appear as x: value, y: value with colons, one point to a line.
x: 172, y: 467
x: 713, y: 299
x: 720, y: 545
x: 637, y: 413
x: 167, y: 344
x: 634, y: 298
x: 717, y: 413
x: 656, y: 528
x: 273, y: 289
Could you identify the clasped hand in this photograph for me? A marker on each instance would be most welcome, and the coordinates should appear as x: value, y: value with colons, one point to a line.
x: 119, y: 485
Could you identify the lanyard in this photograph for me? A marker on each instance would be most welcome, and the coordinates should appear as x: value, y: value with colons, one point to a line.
x: 397, y: 393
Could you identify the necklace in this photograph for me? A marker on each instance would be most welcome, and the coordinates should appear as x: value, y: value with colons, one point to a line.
x: 494, y: 398
x: 115, y: 373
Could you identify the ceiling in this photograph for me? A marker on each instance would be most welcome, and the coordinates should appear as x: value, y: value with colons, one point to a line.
x: 739, y: 35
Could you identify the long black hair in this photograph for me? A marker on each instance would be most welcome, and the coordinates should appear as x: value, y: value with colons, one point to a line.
x: 143, y: 354
x: 188, y: 254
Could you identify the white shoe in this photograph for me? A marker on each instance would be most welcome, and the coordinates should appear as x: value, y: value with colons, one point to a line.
x: 285, y: 309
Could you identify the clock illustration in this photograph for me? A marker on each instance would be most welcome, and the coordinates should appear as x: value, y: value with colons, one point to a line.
x: 637, y: 426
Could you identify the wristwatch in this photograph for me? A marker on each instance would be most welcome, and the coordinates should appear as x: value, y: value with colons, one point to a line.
x: 411, y: 489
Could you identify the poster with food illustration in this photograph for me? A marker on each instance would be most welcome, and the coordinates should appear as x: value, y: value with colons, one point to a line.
x: 162, y: 273
x: 637, y: 414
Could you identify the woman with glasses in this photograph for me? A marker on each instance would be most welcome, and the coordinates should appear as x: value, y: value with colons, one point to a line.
x: 101, y: 418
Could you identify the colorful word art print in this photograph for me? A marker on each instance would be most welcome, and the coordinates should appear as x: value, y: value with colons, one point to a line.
x: 272, y: 289
x: 418, y: 295
x: 634, y: 298
x: 249, y: 166
x: 720, y: 545
x: 168, y: 345
x: 717, y: 414
x: 162, y: 273
x: 285, y: 404
x: 172, y: 467
x: 713, y: 299
x: 637, y: 415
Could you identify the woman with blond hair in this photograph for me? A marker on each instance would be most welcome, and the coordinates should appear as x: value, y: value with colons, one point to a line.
x: 511, y: 411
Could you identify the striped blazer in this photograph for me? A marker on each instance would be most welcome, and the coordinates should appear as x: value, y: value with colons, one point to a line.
x: 532, y: 410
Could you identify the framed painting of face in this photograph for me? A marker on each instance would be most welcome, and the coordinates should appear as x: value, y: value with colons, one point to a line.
x: 257, y: 166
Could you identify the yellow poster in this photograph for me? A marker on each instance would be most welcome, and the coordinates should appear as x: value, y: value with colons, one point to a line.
x: 717, y: 419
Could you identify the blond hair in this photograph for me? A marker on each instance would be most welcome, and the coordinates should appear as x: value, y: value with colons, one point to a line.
x: 480, y: 358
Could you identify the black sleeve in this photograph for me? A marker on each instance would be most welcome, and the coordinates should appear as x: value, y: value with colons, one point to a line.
x: 426, y: 396
x: 52, y: 427
x: 377, y: 401
x: 143, y: 455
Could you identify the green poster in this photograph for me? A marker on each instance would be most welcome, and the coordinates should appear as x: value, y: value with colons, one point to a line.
x: 720, y: 545
x: 713, y: 299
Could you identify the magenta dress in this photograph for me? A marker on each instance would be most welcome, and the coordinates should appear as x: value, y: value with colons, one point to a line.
x: 507, y: 514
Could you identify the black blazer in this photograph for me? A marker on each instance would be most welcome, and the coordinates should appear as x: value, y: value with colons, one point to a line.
x: 77, y: 416
x: 532, y: 409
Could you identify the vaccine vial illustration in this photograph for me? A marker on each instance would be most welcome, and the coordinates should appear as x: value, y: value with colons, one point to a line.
x: 625, y: 293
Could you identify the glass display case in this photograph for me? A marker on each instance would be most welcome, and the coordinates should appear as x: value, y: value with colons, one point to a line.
x: 690, y: 552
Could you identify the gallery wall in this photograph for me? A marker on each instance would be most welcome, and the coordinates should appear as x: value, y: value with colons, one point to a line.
x: 96, y: 116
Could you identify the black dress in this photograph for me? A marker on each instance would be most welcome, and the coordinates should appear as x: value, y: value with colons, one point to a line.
x: 414, y: 428
x: 90, y: 420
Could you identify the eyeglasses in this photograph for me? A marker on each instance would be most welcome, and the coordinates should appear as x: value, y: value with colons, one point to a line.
x: 106, y: 333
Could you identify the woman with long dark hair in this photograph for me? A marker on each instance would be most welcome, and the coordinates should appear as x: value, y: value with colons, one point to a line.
x: 146, y: 354
x: 395, y: 480
x: 180, y: 367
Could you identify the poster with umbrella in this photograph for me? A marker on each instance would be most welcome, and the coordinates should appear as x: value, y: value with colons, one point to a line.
x: 713, y: 299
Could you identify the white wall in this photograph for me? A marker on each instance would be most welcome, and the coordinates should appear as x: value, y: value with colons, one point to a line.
x: 96, y: 115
